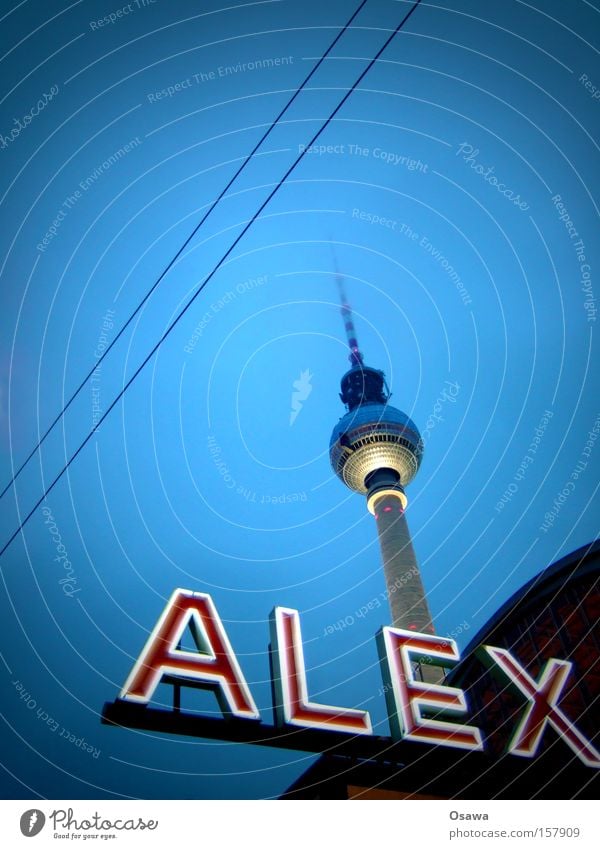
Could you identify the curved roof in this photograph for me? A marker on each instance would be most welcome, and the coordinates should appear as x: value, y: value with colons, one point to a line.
x: 548, y: 582
x: 371, y: 414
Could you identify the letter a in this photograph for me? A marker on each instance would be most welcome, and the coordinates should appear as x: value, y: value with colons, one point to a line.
x: 214, y: 665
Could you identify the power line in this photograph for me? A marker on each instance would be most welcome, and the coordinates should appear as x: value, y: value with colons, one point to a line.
x: 212, y: 273
x: 178, y: 254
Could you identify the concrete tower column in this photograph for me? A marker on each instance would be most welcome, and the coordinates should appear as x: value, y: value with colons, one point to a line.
x: 406, y: 594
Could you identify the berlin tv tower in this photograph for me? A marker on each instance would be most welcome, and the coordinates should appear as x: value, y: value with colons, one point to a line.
x: 376, y: 450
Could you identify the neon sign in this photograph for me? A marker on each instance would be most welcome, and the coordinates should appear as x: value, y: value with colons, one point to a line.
x: 293, y: 706
x: 214, y: 664
x: 410, y: 702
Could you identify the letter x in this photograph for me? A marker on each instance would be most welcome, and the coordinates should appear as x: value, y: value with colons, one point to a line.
x: 543, y: 696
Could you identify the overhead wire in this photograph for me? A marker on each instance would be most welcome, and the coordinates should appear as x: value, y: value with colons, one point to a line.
x: 174, y: 259
x: 209, y: 277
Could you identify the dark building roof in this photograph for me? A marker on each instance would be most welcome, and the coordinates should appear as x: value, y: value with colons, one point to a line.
x: 553, y: 580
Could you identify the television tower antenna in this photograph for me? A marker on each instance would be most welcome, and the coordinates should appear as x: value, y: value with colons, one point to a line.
x: 355, y: 356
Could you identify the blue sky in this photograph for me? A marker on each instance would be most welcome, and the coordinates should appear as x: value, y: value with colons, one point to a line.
x: 438, y: 190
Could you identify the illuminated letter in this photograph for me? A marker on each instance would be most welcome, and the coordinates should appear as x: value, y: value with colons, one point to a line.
x: 407, y: 698
x: 543, y: 696
x: 214, y: 665
x: 292, y: 704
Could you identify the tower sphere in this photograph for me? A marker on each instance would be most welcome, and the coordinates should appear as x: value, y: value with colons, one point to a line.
x: 373, y: 437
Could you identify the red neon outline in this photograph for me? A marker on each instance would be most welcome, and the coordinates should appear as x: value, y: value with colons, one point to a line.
x: 298, y: 709
x: 411, y: 697
x: 216, y: 666
x: 543, y: 696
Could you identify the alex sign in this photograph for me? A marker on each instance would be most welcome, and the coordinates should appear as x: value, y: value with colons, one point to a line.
x: 410, y: 702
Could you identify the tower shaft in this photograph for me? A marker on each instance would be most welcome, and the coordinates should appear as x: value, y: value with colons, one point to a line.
x: 406, y: 595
